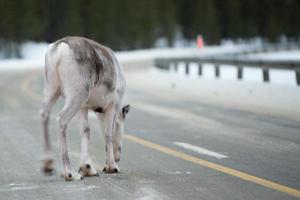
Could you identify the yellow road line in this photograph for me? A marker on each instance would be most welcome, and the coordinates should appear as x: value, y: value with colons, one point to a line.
x: 25, y: 86
x: 217, y: 167
x: 11, y: 101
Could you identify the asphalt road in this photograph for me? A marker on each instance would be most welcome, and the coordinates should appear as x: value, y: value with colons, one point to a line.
x: 236, y: 153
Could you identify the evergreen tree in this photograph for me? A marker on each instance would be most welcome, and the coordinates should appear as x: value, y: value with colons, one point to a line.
x: 129, y: 24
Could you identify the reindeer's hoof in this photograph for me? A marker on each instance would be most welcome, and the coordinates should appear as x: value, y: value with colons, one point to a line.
x: 48, y: 166
x: 87, y: 170
x: 110, y: 170
x: 71, y: 176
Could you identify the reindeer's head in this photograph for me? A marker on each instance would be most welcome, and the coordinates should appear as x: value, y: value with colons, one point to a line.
x: 118, y: 135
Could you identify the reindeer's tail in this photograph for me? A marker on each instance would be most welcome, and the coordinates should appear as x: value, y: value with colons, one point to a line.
x: 52, y: 60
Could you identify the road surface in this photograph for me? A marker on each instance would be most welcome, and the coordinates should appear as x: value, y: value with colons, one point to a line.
x: 178, y: 145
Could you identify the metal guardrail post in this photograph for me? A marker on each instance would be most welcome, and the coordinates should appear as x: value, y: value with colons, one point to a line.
x: 217, y: 71
x: 266, y: 75
x: 240, y: 72
x: 200, y: 69
x: 265, y: 65
x: 176, y: 66
x: 297, y: 76
x: 187, y: 70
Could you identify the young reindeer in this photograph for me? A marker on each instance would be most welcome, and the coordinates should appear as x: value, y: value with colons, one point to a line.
x: 89, y: 77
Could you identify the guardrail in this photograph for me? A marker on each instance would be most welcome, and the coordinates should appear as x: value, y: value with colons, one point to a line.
x: 265, y: 65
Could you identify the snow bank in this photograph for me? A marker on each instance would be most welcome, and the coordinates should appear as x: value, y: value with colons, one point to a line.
x: 254, y: 97
x: 33, y: 57
x: 34, y: 51
x: 149, y: 54
x: 279, y: 55
x: 33, y: 54
x: 229, y: 73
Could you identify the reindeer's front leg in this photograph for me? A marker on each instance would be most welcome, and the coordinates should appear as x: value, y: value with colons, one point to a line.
x: 109, y: 124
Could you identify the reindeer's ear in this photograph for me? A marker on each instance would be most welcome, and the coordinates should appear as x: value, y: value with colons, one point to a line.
x: 125, y: 110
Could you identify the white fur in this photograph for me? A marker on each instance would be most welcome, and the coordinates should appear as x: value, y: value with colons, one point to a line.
x: 65, y: 76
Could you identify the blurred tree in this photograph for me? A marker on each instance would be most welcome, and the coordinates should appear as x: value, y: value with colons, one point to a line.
x: 140, y: 22
x: 205, y: 21
x: 76, y: 15
x: 230, y: 20
x: 166, y: 18
x: 11, y: 27
x: 184, y: 10
x: 198, y: 17
x: 55, y: 19
x: 129, y: 24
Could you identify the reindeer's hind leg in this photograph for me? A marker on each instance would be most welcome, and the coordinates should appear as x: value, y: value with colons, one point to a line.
x: 50, y: 97
x: 72, y: 105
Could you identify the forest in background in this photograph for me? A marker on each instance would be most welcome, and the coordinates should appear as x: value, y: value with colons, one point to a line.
x: 132, y: 24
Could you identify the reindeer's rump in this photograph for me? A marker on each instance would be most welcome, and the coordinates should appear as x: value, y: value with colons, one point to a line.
x: 77, y: 56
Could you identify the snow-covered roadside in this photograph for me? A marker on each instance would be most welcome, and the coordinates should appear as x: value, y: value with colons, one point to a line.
x: 249, y: 94
x: 147, y: 54
x: 279, y: 55
x: 229, y: 73
x: 264, y: 98
x: 33, y: 54
x: 33, y: 57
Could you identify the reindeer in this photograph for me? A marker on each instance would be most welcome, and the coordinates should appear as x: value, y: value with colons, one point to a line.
x: 89, y: 77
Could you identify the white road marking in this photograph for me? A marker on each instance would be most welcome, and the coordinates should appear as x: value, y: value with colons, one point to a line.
x: 200, y: 150
x: 11, y: 101
x: 18, y: 186
x: 12, y: 187
x: 149, y: 193
x: 80, y: 187
x: 179, y: 172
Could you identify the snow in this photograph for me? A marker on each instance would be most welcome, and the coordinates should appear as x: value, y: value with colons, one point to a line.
x: 20, y: 64
x: 33, y: 54
x: 150, y: 54
x: 265, y: 98
x: 33, y: 58
x: 279, y: 55
x: 250, y: 92
x: 229, y: 73
x: 33, y: 51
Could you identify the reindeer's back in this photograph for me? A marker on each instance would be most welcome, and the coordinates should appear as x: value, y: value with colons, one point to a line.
x: 78, y: 56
